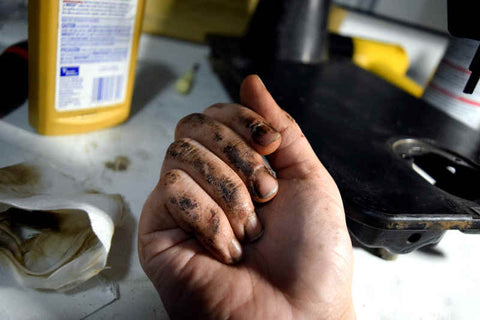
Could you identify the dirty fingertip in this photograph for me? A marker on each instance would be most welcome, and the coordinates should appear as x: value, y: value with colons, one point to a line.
x: 264, y: 134
x: 235, y: 250
x: 265, y: 185
x: 253, y: 228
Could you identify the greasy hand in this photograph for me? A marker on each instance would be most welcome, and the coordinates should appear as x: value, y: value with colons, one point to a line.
x: 193, y: 221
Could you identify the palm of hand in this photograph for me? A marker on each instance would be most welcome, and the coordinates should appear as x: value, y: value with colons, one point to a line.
x: 276, y: 277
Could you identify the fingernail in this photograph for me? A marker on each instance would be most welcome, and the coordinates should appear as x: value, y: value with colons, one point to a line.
x: 260, y: 80
x: 235, y: 250
x: 264, y: 134
x: 253, y: 228
x: 264, y: 184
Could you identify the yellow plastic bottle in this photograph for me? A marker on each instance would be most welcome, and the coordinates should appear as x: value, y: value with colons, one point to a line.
x: 82, y: 59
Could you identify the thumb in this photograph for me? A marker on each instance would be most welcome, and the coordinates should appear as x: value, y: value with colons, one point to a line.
x: 295, y: 157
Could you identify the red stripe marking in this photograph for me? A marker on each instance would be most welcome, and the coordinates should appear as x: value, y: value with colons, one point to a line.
x: 18, y: 51
x: 452, y: 95
x: 456, y: 66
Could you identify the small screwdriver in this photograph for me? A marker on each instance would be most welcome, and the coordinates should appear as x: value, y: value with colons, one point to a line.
x: 185, y: 83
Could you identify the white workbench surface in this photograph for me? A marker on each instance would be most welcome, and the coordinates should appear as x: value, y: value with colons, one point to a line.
x: 439, y: 285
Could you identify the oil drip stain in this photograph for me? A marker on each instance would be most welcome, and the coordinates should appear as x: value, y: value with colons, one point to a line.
x: 120, y: 163
x: 18, y: 175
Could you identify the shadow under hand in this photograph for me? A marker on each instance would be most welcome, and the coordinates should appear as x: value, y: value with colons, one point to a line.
x: 150, y: 80
x: 118, y: 262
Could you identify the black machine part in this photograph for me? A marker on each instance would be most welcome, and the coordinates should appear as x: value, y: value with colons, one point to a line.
x: 289, y: 30
x: 407, y: 172
x: 369, y: 134
x: 462, y: 15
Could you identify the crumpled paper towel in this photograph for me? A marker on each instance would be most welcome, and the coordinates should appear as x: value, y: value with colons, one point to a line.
x: 53, y: 234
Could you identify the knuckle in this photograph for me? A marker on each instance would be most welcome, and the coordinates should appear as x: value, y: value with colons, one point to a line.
x: 217, y: 106
x: 213, y: 220
x: 172, y: 177
x: 185, y: 140
x: 188, y: 208
x: 179, y: 147
x: 248, y: 118
x: 244, y: 211
x: 238, y: 200
x: 193, y: 119
x: 229, y: 190
x: 240, y: 157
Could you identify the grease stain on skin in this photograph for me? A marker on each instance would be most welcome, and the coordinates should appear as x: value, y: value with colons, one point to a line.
x: 196, y: 118
x: 186, y: 205
x: 215, y: 221
x: 185, y: 152
x: 185, y: 145
x: 172, y: 153
x: 228, y: 190
x: 258, y: 130
x: 261, y: 132
x: 264, y: 134
x: 210, y: 179
x: 237, y: 160
x: 171, y: 178
x: 200, y: 165
x: 217, y: 137
x: 289, y: 117
x: 247, y: 120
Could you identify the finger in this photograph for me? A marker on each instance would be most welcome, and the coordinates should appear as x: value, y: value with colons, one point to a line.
x: 294, y: 157
x: 157, y: 230
x: 248, y: 124
x: 222, y: 184
x: 233, y: 150
x: 195, y: 211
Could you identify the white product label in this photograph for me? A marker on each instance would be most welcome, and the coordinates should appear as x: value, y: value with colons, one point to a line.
x: 94, y: 48
x: 445, y: 91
